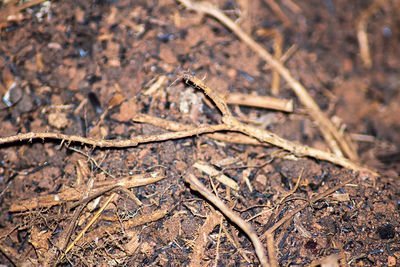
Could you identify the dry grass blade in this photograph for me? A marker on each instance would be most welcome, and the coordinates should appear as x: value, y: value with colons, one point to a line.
x: 84, y: 230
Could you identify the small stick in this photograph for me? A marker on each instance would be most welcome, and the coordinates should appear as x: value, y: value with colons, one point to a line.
x: 271, y: 250
x: 74, y: 194
x: 362, y: 36
x: 278, y: 40
x: 218, y: 243
x: 170, y: 125
x: 246, y: 227
x: 211, y: 171
x: 129, y: 224
x: 75, y: 216
x: 229, y: 124
x: 156, y: 85
x: 261, y: 101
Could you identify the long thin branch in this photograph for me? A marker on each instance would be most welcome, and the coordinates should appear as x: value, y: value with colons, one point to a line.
x: 113, y: 143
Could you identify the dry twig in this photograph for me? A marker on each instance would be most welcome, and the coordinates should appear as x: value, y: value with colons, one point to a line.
x: 111, y: 143
x: 229, y: 124
x: 75, y: 216
x: 278, y: 41
x: 12, y: 10
x: 196, y: 185
x: 328, y: 130
x: 210, y: 170
x: 218, y: 243
x: 74, y: 194
x: 170, y: 125
x: 265, y: 136
x: 213, y: 219
x: 362, y: 36
x: 261, y: 101
x: 271, y: 251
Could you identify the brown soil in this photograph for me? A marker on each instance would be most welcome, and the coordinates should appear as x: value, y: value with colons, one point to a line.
x: 83, y: 67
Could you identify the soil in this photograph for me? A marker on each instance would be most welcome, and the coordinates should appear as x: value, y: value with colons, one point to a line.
x: 83, y: 68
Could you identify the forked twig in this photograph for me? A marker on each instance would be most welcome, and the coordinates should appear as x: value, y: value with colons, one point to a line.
x: 328, y: 130
x: 198, y: 186
x: 265, y: 136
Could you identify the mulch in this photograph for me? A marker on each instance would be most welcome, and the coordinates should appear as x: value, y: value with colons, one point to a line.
x: 118, y: 70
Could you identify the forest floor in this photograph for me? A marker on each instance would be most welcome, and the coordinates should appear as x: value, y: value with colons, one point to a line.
x: 122, y: 70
